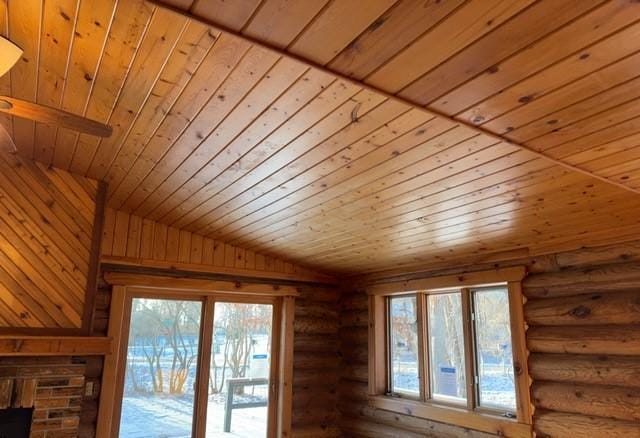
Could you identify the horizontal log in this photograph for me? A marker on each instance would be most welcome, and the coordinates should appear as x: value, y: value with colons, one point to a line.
x: 558, y: 424
x: 314, y: 361
x: 613, y: 277
x: 311, y: 342
x: 54, y: 346
x: 315, y: 432
x: 315, y: 325
x: 356, y: 318
x: 315, y: 399
x: 141, y: 265
x: 592, y: 309
x: 354, y: 335
x: 622, y: 403
x: 355, y: 353
x: 368, y: 429
x: 355, y: 372
x: 615, y: 340
x: 316, y: 310
x: 621, y: 253
x: 357, y: 392
x: 463, y: 418
x: 316, y: 378
x: 310, y: 417
x: 358, y: 300
x: 407, y: 423
x: 318, y: 294
x: 588, y: 369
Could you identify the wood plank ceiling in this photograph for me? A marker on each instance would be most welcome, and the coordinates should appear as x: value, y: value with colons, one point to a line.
x: 215, y: 134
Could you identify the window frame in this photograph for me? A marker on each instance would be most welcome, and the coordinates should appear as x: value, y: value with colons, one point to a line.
x: 127, y: 287
x: 471, y: 415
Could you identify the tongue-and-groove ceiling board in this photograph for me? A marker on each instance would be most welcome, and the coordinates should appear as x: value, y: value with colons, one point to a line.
x: 220, y: 136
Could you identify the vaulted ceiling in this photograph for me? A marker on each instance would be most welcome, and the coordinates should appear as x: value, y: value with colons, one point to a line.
x: 348, y: 138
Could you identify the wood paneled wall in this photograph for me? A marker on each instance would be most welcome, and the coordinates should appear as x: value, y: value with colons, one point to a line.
x: 131, y: 240
x: 583, y: 313
x: 46, y: 225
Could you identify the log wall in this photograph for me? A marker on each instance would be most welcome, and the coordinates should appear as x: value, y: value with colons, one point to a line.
x: 316, y: 363
x: 583, y: 313
x: 46, y: 226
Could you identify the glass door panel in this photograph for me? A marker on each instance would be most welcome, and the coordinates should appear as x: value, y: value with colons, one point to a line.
x: 161, y: 368
x: 239, y: 372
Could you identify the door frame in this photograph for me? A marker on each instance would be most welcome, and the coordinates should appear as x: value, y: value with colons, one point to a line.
x: 126, y: 287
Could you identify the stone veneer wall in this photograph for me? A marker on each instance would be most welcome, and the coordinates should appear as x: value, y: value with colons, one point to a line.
x: 53, y: 386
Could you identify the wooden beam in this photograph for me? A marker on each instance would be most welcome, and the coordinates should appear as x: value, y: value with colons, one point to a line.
x: 94, y: 259
x: 223, y: 29
x: 54, y: 346
x: 197, y: 284
x: 118, y: 325
x: 480, y: 278
x: 219, y: 270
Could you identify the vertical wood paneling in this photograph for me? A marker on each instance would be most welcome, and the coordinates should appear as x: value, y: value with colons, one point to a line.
x: 133, y: 240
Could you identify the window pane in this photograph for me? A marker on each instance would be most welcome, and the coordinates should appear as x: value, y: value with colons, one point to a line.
x: 239, y: 374
x: 493, y: 344
x: 446, y: 347
x: 404, y: 345
x: 162, y: 355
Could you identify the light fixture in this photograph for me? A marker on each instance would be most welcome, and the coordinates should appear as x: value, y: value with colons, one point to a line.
x: 9, y: 55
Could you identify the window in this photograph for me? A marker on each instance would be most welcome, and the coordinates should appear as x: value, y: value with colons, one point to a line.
x: 446, y: 348
x: 452, y: 349
x: 161, y: 365
x: 198, y: 358
x: 494, y: 363
x: 403, y: 351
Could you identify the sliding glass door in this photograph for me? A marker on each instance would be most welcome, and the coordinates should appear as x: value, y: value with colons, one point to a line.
x: 201, y: 366
x: 161, y: 367
x: 240, y: 370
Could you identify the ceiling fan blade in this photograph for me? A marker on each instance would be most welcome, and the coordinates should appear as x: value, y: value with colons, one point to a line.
x: 6, y: 140
x: 53, y: 116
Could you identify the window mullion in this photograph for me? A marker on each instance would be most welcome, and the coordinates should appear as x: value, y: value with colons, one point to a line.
x: 201, y: 396
x: 467, y: 311
x: 423, y: 351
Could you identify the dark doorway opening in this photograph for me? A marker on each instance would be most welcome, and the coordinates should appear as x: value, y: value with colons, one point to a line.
x: 15, y: 423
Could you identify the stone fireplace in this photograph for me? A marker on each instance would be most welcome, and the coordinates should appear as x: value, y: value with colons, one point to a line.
x: 49, y: 388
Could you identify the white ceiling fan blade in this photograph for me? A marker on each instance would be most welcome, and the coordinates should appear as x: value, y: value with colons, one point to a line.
x: 9, y: 55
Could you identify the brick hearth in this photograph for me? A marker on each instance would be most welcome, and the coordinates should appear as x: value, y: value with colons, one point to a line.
x: 53, y: 386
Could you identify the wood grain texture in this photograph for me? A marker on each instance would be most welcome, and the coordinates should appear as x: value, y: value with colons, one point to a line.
x: 132, y: 241
x: 216, y: 135
x: 584, y: 370
x: 47, y: 218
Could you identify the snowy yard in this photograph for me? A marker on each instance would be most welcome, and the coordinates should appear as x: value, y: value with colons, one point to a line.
x: 170, y: 417
x: 496, y: 383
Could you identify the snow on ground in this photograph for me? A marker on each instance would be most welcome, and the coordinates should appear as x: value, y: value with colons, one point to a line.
x: 153, y: 416
x: 496, y: 383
